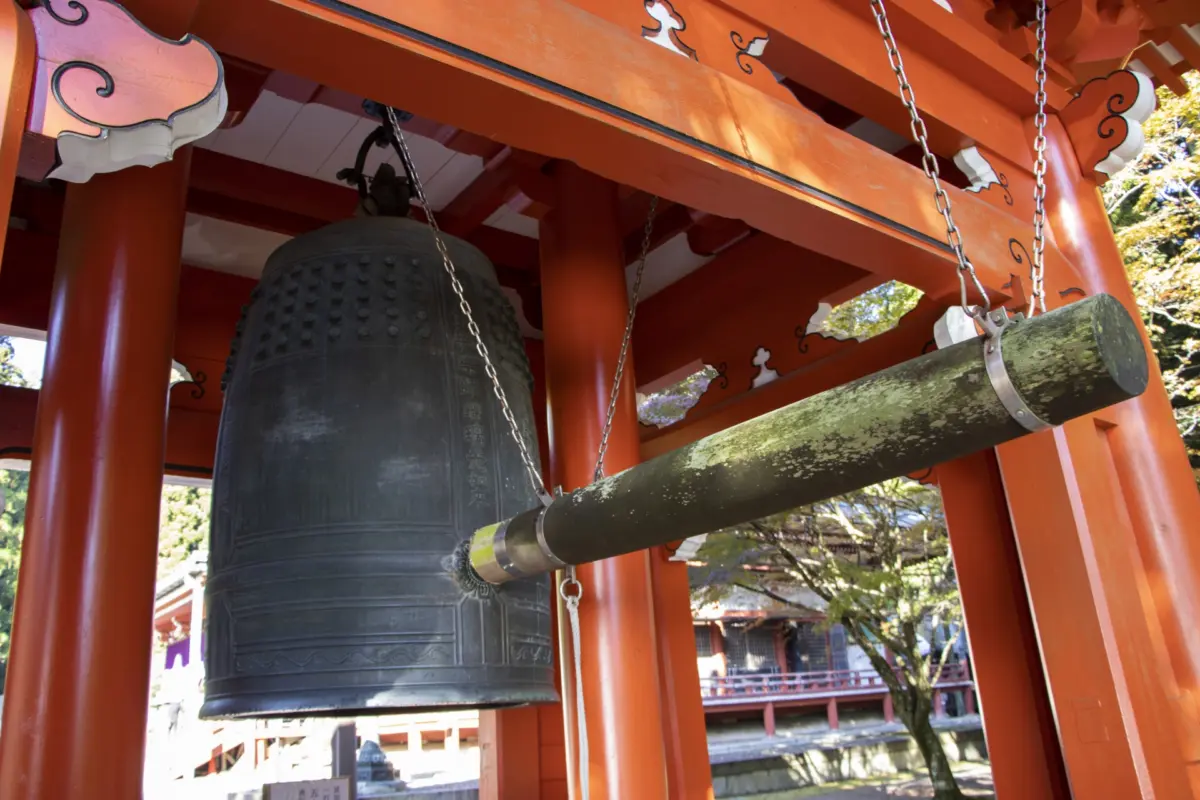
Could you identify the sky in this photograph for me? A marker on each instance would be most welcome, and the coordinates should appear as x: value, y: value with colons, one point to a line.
x: 28, y: 356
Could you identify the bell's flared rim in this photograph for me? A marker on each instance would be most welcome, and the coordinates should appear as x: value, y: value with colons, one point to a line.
x: 329, y: 702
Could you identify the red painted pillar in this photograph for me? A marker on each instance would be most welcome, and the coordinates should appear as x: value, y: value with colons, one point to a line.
x: 831, y: 713
x: 889, y: 710
x: 769, y: 719
x: 1022, y: 741
x: 1152, y: 470
x: 689, y: 776
x: 718, y: 643
x: 939, y: 704
x: 969, y: 697
x: 78, y: 677
x: 584, y: 308
x: 1104, y: 658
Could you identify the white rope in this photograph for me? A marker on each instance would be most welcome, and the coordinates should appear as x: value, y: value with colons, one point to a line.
x: 572, y: 601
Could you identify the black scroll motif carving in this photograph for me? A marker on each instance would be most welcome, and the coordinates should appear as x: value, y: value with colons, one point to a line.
x: 1114, y: 124
x: 1002, y: 182
x: 1072, y: 290
x: 1013, y: 246
x: 929, y: 346
x: 747, y: 50
x: 671, y: 30
x: 106, y: 90
x: 198, y: 381
x: 924, y: 476
x: 74, y: 5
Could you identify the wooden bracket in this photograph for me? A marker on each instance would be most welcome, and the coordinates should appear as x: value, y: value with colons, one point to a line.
x: 1105, y: 121
x: 110, y: 94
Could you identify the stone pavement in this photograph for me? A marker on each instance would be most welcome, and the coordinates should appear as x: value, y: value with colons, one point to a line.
x: 746, y: 741
x: 974, y: 779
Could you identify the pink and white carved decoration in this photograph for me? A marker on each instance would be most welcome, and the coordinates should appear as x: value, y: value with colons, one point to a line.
x: 110, y: 94
x: 1105, y: 120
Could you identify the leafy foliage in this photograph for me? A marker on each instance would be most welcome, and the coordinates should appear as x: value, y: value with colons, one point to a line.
x: 670, y: 405
x: 14, y: 486
x: 872, y: 312
x: 10, y: 374
x: 183, y: 525
x: 879, y: 559
x: 14, y: 489
x: 1154, y: 206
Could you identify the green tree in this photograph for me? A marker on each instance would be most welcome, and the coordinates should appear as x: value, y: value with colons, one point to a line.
x: 10, y: 375
x: 14, y: 489
x: 1154, y: 206
x: 183, y: 525
x: 879, y: 559
x: 872, y: 312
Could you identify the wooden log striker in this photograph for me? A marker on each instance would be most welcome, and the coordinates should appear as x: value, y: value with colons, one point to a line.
x: 931, y: 409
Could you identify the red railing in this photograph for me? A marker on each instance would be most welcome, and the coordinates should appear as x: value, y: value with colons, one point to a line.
x: 734, y: 688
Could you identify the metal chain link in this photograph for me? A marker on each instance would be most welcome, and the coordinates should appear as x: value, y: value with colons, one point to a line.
x: 1037, y: 265
x: 531, y: 469
x: 633, y: 301
x: 930, y: 166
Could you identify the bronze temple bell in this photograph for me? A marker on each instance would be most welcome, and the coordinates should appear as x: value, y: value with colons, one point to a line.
x: 360, y: 444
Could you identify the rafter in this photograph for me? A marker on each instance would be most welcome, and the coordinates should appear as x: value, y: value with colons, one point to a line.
x: 808, y: 182
x: 499, y: 183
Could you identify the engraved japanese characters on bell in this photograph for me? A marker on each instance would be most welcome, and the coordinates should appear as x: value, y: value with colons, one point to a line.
x: 471, y: 403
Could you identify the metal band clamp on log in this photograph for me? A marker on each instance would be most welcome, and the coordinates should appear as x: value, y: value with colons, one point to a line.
x: 934, y: 408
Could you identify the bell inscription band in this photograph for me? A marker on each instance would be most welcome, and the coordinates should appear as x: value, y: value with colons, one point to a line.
x: 360, y: 444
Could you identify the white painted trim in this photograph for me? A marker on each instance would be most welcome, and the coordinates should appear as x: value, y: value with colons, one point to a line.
x: 978, y: 170
x: 16, y: 332
x: 689, y: 549
x: 146, y: 145
x: 953, y: 327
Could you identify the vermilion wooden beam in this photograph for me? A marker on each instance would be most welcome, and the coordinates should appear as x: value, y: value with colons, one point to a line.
x: 806, y: 182
x: 854, y: 360
x: 499, y: 182
x: 711, y: 234
x: 239, y: 191
x: 837, y: 50
x: 191, y: 435
x: 758, y: 293
x: 671, y: 221
x: 244, y: 212
x: 271, y: 188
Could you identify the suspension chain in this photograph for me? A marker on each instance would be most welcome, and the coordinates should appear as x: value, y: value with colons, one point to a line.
x: 1037, y: 266
x: 531, y: 469
x: 633, y: 301
x: 930, y: 165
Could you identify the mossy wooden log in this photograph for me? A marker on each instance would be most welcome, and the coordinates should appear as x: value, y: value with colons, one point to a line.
x: 932, y: 409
